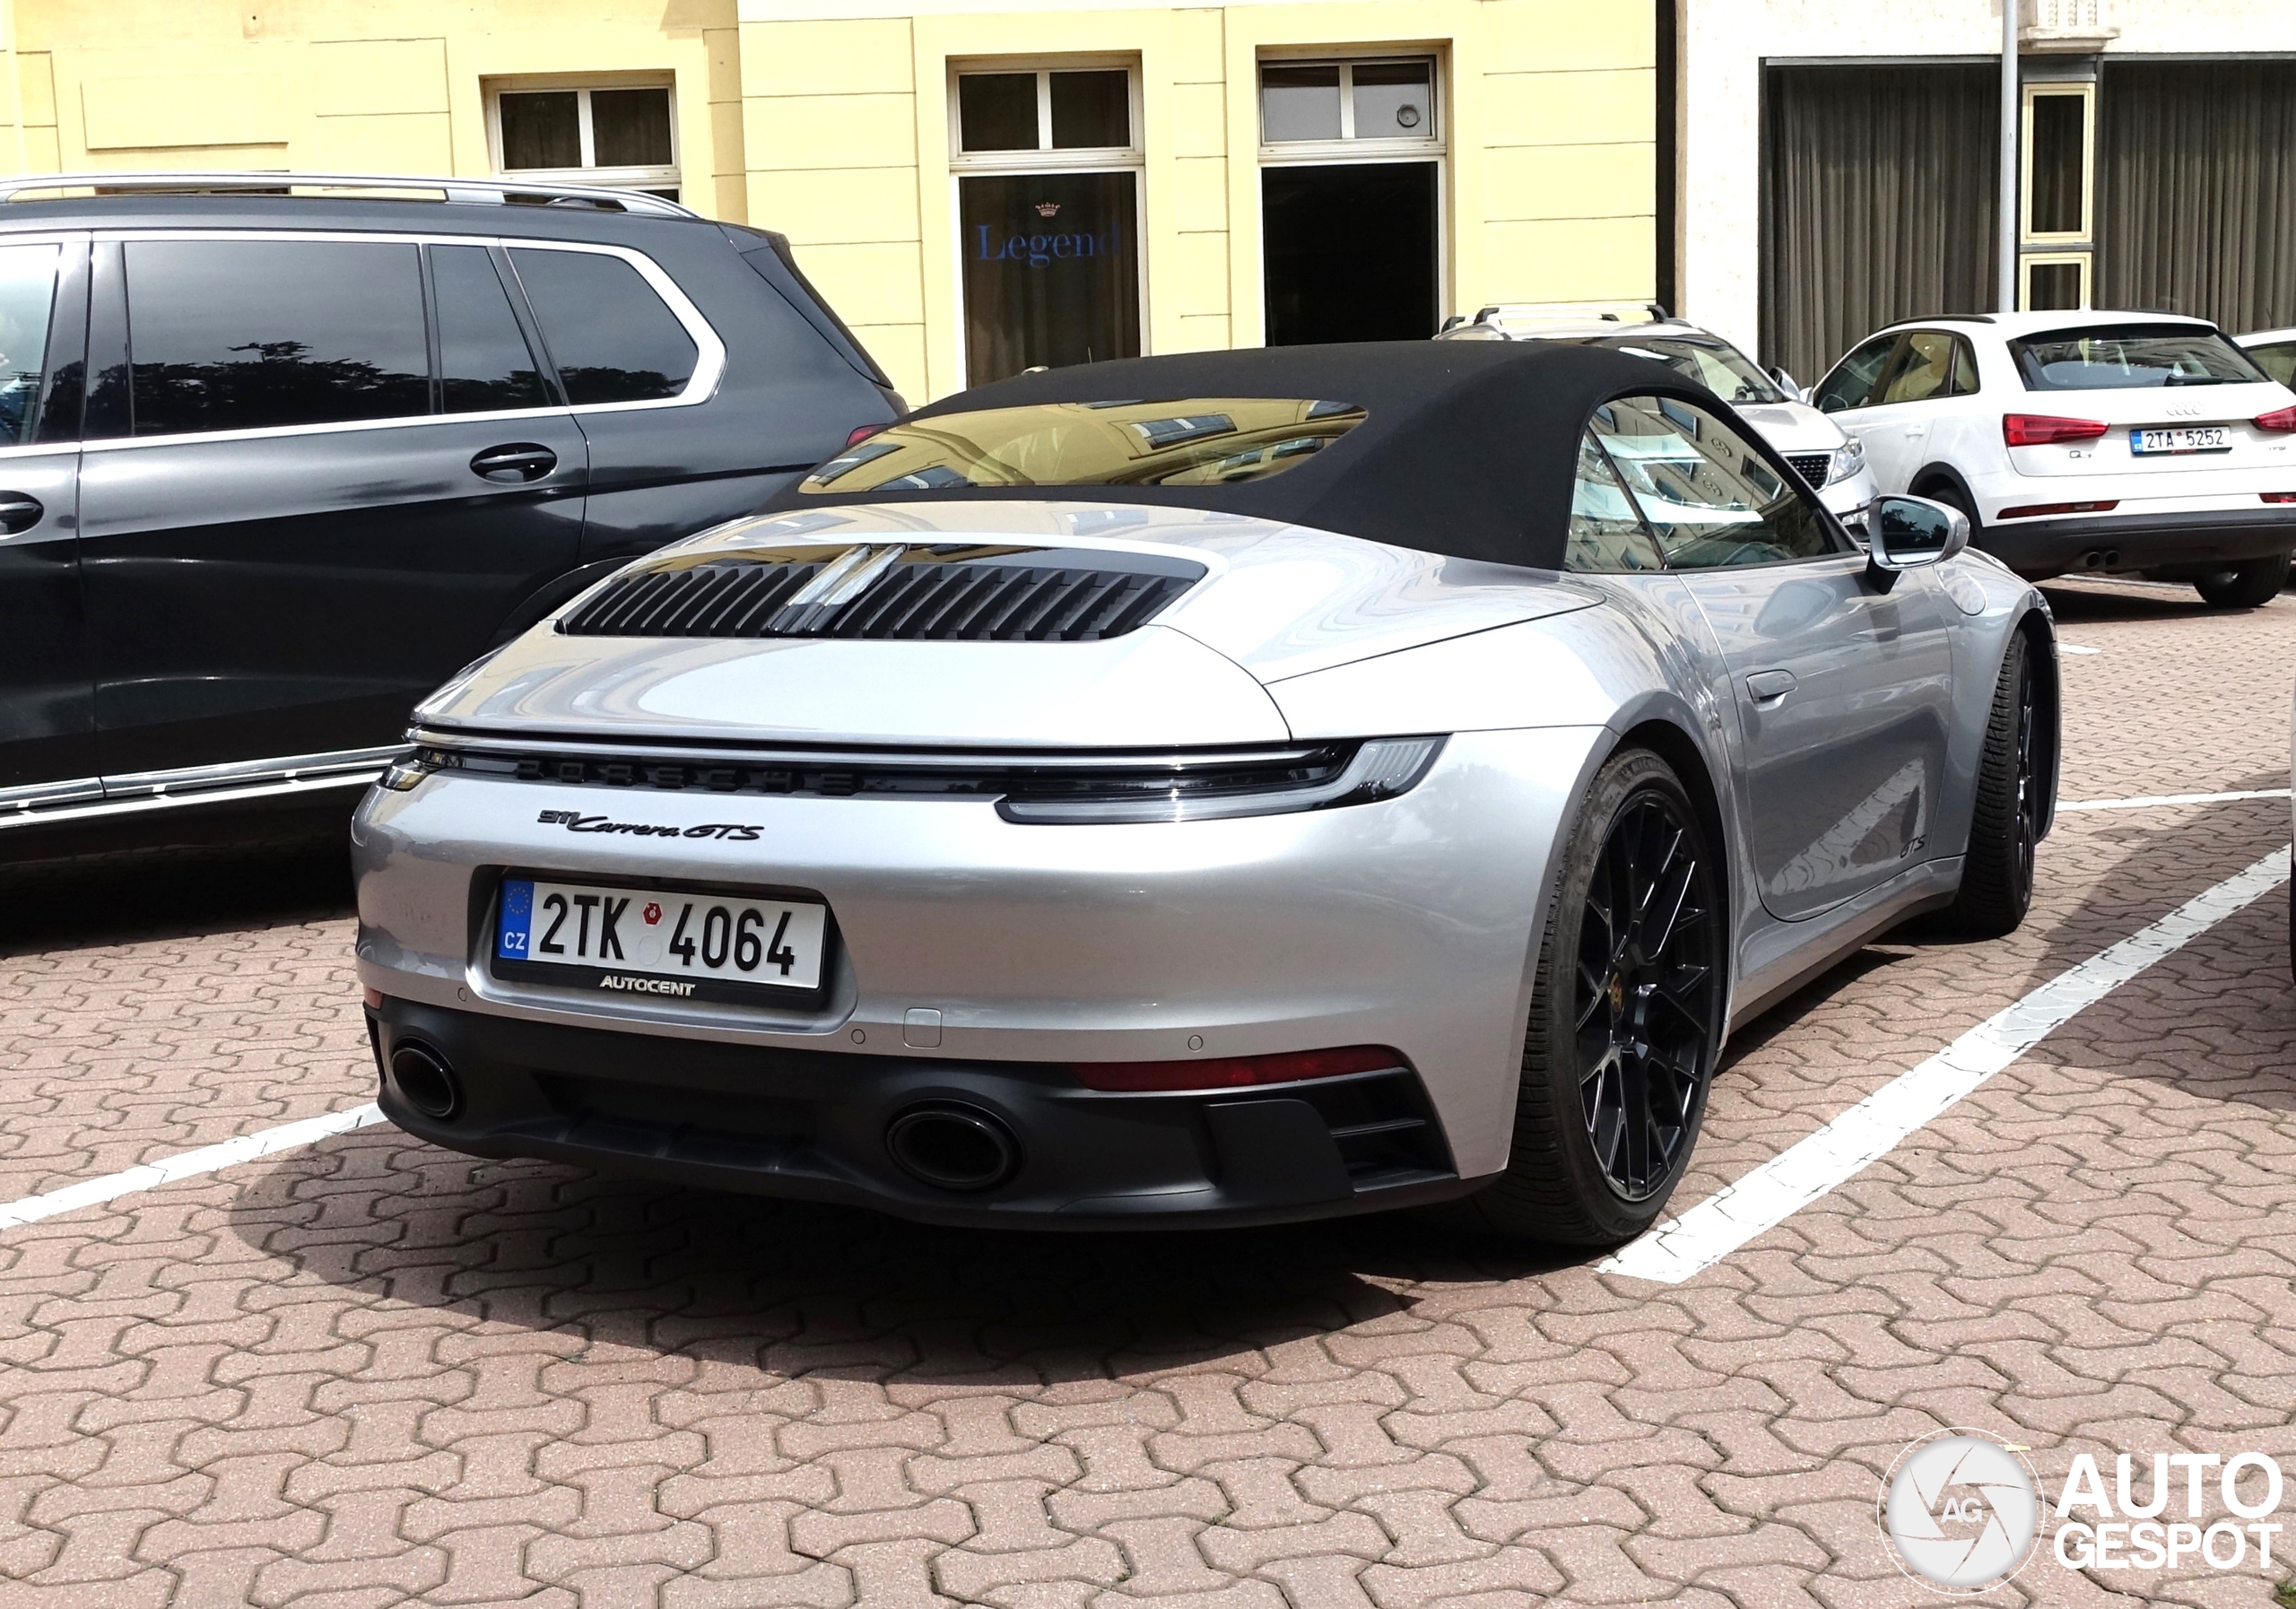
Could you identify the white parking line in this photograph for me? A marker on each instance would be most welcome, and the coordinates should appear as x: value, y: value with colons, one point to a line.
x: 2149, y: 800
x: 185, y: 1164
x: 1678, y: 1248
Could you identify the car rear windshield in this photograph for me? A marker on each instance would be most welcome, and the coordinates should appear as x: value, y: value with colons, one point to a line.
x: 1195, y: 442
x: 2123, y: 357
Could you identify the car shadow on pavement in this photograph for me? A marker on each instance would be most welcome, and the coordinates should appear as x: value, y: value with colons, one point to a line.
x: 147, y: 893
x: 795, y: 1288
x: 2139, y: 601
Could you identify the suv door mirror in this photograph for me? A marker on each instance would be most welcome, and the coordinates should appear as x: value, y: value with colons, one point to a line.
x: 1785, y: 384
x: 1907, y: 533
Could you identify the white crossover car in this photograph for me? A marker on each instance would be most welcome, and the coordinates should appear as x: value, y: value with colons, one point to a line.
x: 2083, y: 442
x: 1822, y: 454
x: 1203, y: 789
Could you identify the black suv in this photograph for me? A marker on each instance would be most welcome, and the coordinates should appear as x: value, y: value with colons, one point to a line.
x: 274, y: 466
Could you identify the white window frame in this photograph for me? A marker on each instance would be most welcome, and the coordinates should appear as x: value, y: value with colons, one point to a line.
x: 664, y: 178
x: 2086, y: 93
x: 2028, y: 261
x: 1434, y: 145
x: 1046, y: 159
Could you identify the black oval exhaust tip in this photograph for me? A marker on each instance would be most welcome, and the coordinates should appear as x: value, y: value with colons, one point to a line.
x: 425, y: 1080
x: 952, y: 1147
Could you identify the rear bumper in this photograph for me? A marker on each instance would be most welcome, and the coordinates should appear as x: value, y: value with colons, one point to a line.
x: 812, y: 1125
x: 2039, y: 548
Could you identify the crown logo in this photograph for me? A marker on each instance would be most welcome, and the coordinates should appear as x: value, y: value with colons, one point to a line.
x: 1045, y: 209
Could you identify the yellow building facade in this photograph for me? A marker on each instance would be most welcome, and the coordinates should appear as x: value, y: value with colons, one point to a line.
x: 1191, y: 176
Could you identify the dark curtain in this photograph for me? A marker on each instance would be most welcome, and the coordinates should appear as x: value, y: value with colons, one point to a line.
x: 2196, y: 190
x: 1878, y: 203
x: 1051, y: 272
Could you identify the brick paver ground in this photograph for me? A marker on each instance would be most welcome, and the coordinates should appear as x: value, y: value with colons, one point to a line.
x: 371, y: 1373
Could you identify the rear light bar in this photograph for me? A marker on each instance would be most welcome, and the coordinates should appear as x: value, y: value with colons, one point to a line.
x: 2279, y: 419
x: 2034, y: 510
x: 862, y: 432
x: 1236, y: 1071
x: 2039, y: 429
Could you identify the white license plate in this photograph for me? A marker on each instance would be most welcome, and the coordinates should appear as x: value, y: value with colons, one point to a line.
x: 646, y: 941
x: 2182, y: 439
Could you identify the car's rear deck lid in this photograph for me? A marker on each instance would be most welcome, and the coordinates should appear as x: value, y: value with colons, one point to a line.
x: 888, y: 591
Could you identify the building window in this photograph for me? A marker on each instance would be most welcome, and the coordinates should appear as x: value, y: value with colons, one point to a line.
x: 1046, y: 165
x: 2059, y: 188
x: 2054, y: 282
x: 1351, y: 199
x: 609, y: 132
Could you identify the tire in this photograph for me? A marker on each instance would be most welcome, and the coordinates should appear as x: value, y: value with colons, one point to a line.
x: 2004, y: 827
x: 1606, y: 1115
x: 2249, y: 586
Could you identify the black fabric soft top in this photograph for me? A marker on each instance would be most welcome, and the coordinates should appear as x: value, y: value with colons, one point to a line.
x: 1468, y: 448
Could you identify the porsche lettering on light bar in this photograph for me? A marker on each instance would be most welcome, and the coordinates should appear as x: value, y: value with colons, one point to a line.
x: 1236, y: 1071
x: 2039, y: 429
x: 2035, y: 510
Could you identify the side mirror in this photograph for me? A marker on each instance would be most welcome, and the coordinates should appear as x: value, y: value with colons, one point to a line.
x: 1908, y: 533
x: 1785, y: 384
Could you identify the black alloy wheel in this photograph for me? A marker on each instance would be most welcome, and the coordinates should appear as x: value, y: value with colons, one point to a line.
x: 1626, y: 1016
x: 1648, y: 981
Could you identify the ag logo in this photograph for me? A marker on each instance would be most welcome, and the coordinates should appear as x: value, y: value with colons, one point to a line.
x: 1961, y: 1511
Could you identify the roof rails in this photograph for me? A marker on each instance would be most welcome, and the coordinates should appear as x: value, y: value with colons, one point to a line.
x: 1565, y: 312
x: 483, y: 192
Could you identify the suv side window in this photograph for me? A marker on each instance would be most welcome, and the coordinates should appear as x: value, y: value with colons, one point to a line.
x: 1922, y: 370
x: 1965, y: 381
x: 483, y: 360
x: 1708, y: 492
x: 1606, y: 533
x: 1851, y: 383
x: 253, y: 335
x: 612, y: 338
x: 27, y: 294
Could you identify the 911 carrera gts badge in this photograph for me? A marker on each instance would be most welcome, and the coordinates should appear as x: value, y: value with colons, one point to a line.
x: 574, y: 821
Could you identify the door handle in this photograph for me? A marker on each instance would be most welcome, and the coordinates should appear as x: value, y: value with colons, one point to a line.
x: 1767, y: 687
x: 517, y: 461
x: 18, y: 512
x: 1916, y: 429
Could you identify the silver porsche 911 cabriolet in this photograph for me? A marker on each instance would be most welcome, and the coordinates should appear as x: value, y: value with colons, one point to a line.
x: 1204, y: 790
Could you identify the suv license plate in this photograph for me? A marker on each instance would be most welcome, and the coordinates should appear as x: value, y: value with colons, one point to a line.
x: 633, y: 935
x: 2182, y: 439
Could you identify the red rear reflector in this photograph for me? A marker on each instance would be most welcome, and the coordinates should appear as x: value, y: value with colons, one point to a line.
x: 2279, y: 419
x: 2278, y: 497
x: 374, y: 999
x: 862, y: 432
x: 2039, y: 429
x: 1235, y: 1072
x: 2029, y: 510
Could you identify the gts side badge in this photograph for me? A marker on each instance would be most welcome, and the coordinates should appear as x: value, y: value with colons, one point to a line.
x: 574, y: 821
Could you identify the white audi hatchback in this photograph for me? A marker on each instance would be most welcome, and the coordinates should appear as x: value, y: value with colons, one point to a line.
x: 2092, y: 441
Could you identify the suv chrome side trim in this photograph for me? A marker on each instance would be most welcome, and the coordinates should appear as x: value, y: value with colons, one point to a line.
x: 89, y: 798
x: 494, y: 192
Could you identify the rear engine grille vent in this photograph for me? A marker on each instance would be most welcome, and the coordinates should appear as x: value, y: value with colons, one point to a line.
x: 889, y: 591
x: 1812, y: 467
